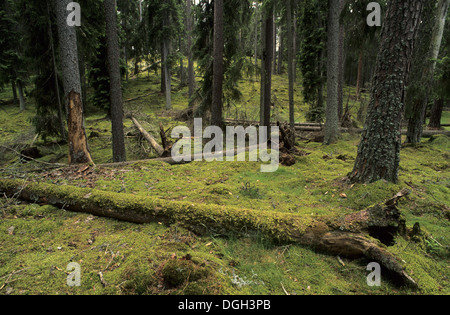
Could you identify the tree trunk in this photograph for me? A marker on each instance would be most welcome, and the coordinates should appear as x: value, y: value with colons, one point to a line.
x: 191, y: 73
x: 280, y: 53
x: 341, y: 65
x: 155, y: 145
x: 14, y: 90
x: 332, y: 118
x: 62, y: 126
x: 21, y: 96
x: 379, y: 151
x: 167, y: 74
x: 112, y: 43
x: 274, y: 45
x: 359, y: 76
x: 436, y: 114
x: 290, y: 44
x: 348, y: 236
x: 218, y: 50
x: 78, y: 145
x: 416, y: 114
x: 266, y: 73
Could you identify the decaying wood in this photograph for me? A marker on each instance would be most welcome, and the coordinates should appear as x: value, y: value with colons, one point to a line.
x: 78, y: 146
x: 348, y: 235
x: 155, y: 145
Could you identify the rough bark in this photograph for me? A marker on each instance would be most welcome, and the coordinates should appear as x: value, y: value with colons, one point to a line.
x: 78, y: 145
x: 218, y: 67
x: 379, y: 151
x: 349, y: 235
x: 332, y: 118
x: 112, y: 43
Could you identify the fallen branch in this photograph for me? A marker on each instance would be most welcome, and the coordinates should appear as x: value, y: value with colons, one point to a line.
x: 345, y: 236
x: 155, y: 145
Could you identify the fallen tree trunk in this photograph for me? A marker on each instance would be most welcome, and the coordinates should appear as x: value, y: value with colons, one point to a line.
x: 349, y: 235
x: 155, y: 145
x: 317, y: 127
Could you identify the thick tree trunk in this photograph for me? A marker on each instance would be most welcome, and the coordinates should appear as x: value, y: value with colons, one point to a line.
x: 112, y: 43
x: 266, y: 73
x: 78, y: 145
x: 217, y: 85
x: 332, y: 118
x: 346, y: 236
x: 379, y: 151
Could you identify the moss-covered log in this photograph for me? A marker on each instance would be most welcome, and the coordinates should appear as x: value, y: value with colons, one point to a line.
x: 352, y: 235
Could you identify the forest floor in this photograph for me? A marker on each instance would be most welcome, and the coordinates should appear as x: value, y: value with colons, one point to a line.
x: 37, y: 241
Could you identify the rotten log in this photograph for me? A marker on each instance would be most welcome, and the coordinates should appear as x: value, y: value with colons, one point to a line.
x: 348, y: 235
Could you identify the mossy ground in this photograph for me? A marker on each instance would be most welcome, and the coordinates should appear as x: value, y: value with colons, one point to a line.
x: 38, y: 242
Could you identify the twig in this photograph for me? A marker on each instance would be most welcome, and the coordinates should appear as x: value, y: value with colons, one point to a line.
x: 285, y: 292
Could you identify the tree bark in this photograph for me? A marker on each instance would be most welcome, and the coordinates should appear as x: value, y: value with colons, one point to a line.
x: 266, y: 74
x: 290, y: 44
x: 191, y: 73
x: 436, y: 114
x: 416, y: 111
x: 78, y: 144
x: 347, y: 235
x: 62, y: 125
x: 21, y: 96
x: 341, y: 64
x: 379, y: 151
x: 14, y: 90
x: 332, y: 118
x: 167, y: 74
x: 218, y: 50
x: 359, y: 76
x: 112, y: 43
